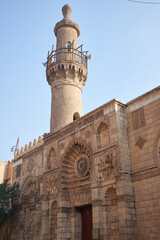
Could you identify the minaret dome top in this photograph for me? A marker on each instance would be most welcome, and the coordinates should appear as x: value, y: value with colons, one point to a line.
x: 66, y: 21
x: 66, y: 10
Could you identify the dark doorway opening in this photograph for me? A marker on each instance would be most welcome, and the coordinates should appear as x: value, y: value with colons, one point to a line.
x: 87, y: 222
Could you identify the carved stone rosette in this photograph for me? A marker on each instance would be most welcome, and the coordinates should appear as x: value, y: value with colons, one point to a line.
x: 82, y: 165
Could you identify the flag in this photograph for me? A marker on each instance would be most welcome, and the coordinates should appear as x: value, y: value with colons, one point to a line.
x: 17, y: 145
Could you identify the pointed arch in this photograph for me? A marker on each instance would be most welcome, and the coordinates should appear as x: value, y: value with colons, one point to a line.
x: 30, y: 190
x: 102, y: 135
x: 111, y: 196
x: 102, y: 127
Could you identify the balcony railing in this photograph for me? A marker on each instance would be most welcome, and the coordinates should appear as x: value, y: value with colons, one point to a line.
x: 67, y: 54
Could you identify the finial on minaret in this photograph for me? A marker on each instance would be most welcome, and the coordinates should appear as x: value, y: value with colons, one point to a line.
x: 66, y: 10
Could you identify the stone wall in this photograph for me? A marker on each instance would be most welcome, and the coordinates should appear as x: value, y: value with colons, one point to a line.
x: 144, y: 137
x: 108, y: 159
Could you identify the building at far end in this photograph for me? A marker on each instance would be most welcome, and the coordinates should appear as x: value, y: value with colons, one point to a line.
x: 5, y: 171
x: 95, y: 176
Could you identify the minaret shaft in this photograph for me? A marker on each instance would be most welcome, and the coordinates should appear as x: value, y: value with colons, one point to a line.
x: 66, y: 73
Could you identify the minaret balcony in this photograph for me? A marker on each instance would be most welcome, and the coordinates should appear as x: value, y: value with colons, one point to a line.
x: 67, y: 55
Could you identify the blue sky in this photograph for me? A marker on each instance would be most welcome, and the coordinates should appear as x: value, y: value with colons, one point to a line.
x: 123, y: 38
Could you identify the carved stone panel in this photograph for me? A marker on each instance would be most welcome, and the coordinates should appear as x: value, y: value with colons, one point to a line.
x: 81, y: 197
x: 105, y: 166
x: 138, y: 118
x: 51, y: 183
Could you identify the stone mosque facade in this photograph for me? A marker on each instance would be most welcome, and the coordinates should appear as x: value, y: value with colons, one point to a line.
x: 95, y: 176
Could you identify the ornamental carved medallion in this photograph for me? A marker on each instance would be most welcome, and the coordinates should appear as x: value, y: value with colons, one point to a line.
x: 82, y: 166
x: 30, y: 165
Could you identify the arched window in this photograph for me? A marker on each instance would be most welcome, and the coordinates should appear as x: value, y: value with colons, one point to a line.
x: 102, y: 135
x: 76, y: 115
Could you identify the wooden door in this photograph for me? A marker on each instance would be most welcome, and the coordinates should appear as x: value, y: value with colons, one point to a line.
x: 87, y: 223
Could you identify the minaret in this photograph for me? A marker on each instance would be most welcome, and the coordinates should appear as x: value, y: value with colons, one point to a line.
x: 66, y: 73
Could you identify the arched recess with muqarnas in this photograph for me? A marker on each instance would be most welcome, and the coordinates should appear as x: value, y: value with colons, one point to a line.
x: 30, y: 190
x: 102, y: 135
x: 76, y: 165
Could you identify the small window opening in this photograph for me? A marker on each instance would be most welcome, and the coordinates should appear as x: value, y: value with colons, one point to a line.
x: 76, y: 115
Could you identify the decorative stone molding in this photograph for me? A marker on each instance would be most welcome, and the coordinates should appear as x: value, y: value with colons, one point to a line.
x: 28, y: 148
x: 72, y: 70
x: 111, y: 186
